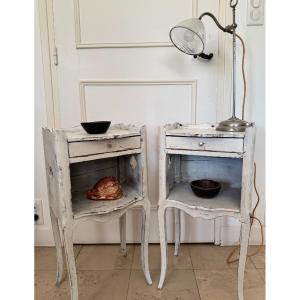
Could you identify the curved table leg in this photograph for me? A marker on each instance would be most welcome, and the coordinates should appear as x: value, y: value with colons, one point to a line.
x: 163, y: 244
x: 145, y: 240
x: 70, y: 260
x: 177, y: 230
x: 123, y: 234
x: 59, y: 248
x: 245, y: 232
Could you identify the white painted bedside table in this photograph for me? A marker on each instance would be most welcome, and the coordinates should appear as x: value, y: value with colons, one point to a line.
x: 190, y: 152
x: 75, y: 161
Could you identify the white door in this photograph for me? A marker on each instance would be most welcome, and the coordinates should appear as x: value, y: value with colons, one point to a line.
x: 115, y: 62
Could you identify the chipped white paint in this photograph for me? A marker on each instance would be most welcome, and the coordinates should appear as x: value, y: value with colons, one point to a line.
x: 177, y: 230
x: 103, y: 146
x: 133, y: 163
x: 85, y: 207
x: 205, y: 144
x: 77, y: 134
x: 68, y: 182
x: 103, y: 155
x: 205, y: 153
x: 123, y: 234
x: 228, y: 158
x: 200, y: 130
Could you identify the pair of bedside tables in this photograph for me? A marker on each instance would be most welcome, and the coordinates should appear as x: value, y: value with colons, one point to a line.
x: 76, y: 160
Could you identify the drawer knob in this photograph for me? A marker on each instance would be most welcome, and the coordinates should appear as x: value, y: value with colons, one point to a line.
x: 109, y: 145
x: 201, y: 144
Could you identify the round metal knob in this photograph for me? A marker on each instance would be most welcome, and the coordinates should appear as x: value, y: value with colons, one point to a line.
x: 201, y: 144
x: 109, y: 145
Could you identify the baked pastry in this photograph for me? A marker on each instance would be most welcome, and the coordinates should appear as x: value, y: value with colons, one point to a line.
x: 107, y: 188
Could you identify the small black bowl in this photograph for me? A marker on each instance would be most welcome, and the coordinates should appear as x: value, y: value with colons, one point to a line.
x: 205, y: 188
x: 98, y: 127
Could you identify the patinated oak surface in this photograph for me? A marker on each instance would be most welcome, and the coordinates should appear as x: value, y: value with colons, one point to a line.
x: 189, y: 152
x: 75, y: 161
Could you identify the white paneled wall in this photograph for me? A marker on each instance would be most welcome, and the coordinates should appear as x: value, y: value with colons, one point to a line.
x: 123, y: 23
x: 120, y: 67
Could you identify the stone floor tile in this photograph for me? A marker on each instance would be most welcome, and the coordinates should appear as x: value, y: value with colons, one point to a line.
x: 179, y: 285
x: 210, y: 257
x: 45, y: 257
x: 100, y: 285
x: 259, y: 259
x: 182, y: 261
x: 104, y: 257
x: 222, y: 285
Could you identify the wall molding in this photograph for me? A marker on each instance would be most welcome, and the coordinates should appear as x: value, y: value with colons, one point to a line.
x: 82, y: 45
x: 84, y: 83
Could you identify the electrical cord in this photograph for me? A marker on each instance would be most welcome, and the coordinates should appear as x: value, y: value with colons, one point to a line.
x: 252, y: 215
x: 252, y: 218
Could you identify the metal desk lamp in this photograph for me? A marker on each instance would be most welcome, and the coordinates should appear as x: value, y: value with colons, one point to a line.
x: 189, y: 37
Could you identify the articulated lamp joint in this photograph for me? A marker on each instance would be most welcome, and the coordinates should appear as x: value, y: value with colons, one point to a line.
x: 229, y: 29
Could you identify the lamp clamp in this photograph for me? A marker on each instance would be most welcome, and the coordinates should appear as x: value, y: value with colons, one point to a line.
x: 204, y: 56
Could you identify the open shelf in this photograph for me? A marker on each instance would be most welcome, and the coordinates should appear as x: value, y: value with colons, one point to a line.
x: 227, y: 200
x: 82, y: 206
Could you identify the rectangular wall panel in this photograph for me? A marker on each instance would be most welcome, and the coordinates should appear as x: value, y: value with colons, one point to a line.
x: 131, y: 23
x: 149, y: 103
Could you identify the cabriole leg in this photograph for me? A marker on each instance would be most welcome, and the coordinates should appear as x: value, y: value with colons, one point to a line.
x: 59, y: 248
x: 70, y: 260
x: 123, y: 234
x: 177, y: 230
x: 245, y: 232
x: 145, y: 240
x: 163, y: 244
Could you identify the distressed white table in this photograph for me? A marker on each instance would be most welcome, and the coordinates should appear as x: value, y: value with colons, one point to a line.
x: 189, y: 152
x: 75, y: 161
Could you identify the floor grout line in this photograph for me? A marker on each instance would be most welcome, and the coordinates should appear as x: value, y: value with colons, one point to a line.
x: 194, y: 272
x: 133, y: 254
x: 80, y: 248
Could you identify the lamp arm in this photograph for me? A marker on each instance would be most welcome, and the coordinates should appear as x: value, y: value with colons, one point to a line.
x: 228, y: 29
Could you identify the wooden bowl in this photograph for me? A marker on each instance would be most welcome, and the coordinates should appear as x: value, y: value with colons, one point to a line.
x: 98, y: 127
x: 205, y: 188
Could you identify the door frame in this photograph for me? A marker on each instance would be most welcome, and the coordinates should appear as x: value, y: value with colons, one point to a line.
x: 47, y: 36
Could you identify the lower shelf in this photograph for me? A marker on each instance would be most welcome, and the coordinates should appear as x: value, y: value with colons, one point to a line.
x: 85, y: 207
x: 227, y: 200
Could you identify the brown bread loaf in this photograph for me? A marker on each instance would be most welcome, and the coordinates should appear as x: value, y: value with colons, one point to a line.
x: 107, y: 188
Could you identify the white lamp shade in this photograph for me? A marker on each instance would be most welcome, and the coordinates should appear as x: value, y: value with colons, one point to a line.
x: 189, y: 36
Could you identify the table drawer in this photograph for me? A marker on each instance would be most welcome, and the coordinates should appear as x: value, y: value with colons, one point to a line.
x: 97, y: 147
x: 205, y: 144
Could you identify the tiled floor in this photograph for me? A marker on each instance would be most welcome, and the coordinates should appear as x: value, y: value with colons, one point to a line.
x: 199, y: 272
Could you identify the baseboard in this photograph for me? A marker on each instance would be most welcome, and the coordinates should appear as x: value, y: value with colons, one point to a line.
x: 193, y: 231
x: 230, y: 235
x: 43, y: 236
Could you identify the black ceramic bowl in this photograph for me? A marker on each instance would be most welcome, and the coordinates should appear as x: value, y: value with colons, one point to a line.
x: 205, y: 188
x: 96, y: 127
